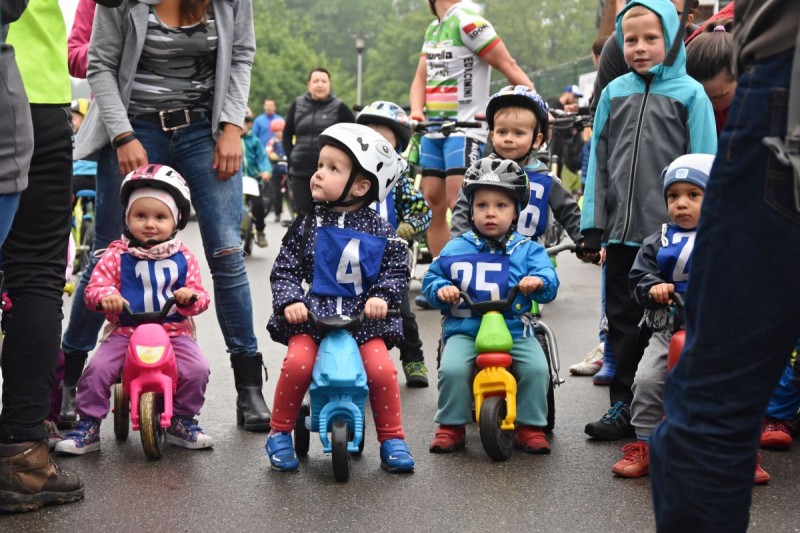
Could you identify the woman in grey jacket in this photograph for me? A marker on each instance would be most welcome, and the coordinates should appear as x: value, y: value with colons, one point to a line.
x: 171, y: 80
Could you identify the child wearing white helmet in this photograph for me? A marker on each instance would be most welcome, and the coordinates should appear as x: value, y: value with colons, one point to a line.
x: 407, y: 211
x: 157, y: 205
x: 357, y: 166
x: 662, y: 268
x: 487, y: 262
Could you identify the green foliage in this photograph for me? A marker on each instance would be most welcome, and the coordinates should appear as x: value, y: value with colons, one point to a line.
x: 293, y: 36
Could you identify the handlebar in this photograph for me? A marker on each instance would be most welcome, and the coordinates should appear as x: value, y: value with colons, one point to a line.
x: 149, y: 317
x: 491, y: 305
x: 445, y: 126
x: 324, y: 325
x: 564, y: 120
x: 566, y: 247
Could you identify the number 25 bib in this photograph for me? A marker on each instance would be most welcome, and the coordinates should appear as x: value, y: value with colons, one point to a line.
x: 482, y: 276
x: 346, y: 262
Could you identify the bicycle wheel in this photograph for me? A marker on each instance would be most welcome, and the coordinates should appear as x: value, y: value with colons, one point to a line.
x: 551, y: 385
x: 340, y: 455
x: 498, y: 443
x: 121, y: 413
x: 85, y: 245
x: 151, y: 405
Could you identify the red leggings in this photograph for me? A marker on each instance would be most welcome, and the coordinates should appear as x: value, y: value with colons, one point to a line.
x: 384, y: 393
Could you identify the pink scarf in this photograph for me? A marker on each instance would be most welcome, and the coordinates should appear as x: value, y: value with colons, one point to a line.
x: 158, y: 251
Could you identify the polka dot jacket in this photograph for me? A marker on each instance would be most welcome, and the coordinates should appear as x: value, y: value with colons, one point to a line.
x: 294, y: 265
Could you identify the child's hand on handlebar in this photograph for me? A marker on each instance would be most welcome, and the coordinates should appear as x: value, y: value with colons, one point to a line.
x: 112, y: 304
x: 184, y: 296
x: 449, y: 294
x: 296, y: 313
x: 530, y: 284
x: 376, y: 308
x: 662, y: 293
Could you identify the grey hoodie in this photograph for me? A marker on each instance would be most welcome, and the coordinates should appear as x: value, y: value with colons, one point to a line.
x: 117, y: 40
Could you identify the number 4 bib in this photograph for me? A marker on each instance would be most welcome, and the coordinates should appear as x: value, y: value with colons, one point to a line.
x: 346, y: 262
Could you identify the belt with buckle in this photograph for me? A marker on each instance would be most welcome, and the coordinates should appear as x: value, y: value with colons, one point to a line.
x: 173, y: 119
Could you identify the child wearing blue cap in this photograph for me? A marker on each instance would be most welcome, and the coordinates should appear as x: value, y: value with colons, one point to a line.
x: 662, y: 268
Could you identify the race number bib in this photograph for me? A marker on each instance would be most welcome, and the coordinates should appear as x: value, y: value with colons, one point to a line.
x: 147, y: 284
x: 482, y: 276
x: 346, y: 262
x: 386, y: 209
x: 675, y: 259
x: 533, y: 219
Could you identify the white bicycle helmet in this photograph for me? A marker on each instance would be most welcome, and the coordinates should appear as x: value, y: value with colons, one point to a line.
x: 390, y: 115
x: 159, y: 177
x: 372, y: 153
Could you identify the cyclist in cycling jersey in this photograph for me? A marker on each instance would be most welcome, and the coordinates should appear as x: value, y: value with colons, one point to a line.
x: 452, y: 81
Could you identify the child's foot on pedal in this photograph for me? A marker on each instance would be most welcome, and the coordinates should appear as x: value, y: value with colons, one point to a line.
x: 280, y: 451
x: 448, y: 439
x: 185, y: 432
x: 83, y: 438
x: 395, y: 456
x: 416, y: 374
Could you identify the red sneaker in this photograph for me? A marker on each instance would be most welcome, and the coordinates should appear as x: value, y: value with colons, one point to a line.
x: 531, y: 439
x: 761, y: 475
x: 775, y: 434
x: 448, y: 439
x: 635, y: 462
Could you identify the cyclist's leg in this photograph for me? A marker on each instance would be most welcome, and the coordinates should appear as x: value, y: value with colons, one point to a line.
x: 277, y: 197
x: 301, y: 192
x: 434, y: 191
x: 533, y: 378
x: 460, y: 152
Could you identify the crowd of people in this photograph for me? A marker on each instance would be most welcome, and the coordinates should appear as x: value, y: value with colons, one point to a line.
x: 673, y: 138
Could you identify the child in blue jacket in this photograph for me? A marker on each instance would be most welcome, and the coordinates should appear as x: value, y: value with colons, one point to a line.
x: 486, y: 262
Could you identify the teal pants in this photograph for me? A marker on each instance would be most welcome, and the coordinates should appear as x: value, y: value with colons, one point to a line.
x: 457, y: 369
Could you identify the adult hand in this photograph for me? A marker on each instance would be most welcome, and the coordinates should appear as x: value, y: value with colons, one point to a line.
x: 228, y: 152
x: 376, y: 308
x: 130, y: 155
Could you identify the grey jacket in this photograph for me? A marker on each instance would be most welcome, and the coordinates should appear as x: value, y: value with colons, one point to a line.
x: 117, y: 40
x: 16, y: 129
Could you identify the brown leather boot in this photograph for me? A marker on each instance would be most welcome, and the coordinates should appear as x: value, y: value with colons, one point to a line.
x: 29, y: 479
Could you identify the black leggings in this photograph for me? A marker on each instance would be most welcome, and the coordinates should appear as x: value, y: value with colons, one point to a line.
x: 34, y: 262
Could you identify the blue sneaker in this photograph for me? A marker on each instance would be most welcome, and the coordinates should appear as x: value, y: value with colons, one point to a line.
x: 281, y: 452
x: 83, y: 438
x: 422, y: 302
x: 185, y: 432
x: 395, y: 456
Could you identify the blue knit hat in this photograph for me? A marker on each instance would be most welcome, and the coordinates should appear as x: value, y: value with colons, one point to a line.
x: 689, y: 168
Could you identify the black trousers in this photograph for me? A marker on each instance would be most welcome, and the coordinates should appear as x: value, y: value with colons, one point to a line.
x: 624, y: 315
x: 34, y: 262
x: 411, y: 345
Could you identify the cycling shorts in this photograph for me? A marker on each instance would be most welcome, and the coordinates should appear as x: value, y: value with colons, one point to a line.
x: 448, y: 156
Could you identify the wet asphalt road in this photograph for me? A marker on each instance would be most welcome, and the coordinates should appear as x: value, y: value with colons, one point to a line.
x: 232, y: 488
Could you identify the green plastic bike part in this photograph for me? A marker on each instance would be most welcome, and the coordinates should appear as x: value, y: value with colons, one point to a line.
x: 493, y: 335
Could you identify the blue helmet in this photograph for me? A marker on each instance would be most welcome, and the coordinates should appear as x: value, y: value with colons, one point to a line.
x: 390, y: 115
x: 518, y: 96
x: 689, y: 168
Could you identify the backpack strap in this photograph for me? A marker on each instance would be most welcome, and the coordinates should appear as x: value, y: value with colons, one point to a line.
x: 787, y: 151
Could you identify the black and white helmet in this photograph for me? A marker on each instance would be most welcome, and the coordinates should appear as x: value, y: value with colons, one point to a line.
x: 502, y: 174
x: 371, y: 151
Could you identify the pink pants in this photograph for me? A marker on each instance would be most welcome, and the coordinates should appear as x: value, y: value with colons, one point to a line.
x: 384, y: 393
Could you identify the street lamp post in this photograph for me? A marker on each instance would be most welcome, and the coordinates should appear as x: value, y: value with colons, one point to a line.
x: 360, y: 45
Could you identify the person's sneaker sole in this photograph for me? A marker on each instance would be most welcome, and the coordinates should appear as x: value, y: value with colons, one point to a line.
x: 584, y: 369
x: 177, y: 441
x: 449, y: 449
x: 65, y: 448
x: 776, y: 442
x: 417, y: 382
x: 14, y: 502
x: 600, y: 431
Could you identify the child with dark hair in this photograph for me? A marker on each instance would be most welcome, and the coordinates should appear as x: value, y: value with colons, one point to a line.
x: 709, y: 60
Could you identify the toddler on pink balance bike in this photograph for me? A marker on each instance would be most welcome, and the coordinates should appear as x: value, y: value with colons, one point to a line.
x: 143, y: 269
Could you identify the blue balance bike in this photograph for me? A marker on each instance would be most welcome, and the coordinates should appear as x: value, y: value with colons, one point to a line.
x: 338, y: 393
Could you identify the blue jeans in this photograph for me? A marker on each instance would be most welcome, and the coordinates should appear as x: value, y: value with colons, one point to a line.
x: 742, y: 319
x: 218, y: 204
x: 8, y: 207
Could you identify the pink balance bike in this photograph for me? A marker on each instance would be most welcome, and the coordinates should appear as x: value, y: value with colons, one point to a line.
x: 149, y: 379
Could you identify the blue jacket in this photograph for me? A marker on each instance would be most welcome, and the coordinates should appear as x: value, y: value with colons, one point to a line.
x: 296, y: 263
x: 525, y: 258
x: 261, y: 127
x: 640, y: 127
x: 254, y: 157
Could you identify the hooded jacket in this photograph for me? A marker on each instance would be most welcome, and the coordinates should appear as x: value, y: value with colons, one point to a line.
x: 641, y: 125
